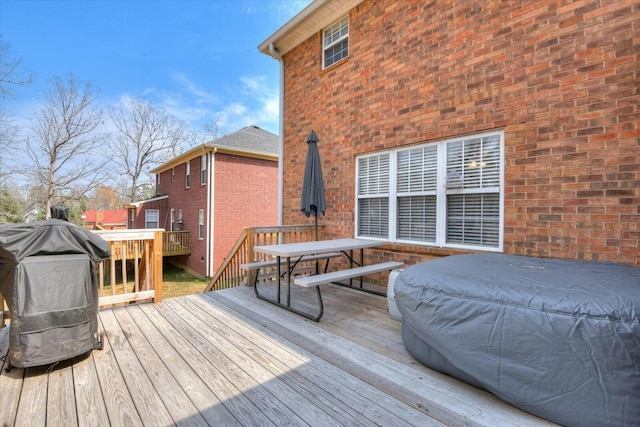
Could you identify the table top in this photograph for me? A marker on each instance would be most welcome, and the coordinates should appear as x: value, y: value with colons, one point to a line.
x: 316, y: 247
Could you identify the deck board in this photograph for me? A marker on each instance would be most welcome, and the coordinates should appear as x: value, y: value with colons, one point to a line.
x: 227, y: 358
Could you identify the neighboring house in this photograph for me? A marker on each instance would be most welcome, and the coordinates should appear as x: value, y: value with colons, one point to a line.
x: 214, y: 191
x: 32, y: 212
x: 464, y: 126
x: 110, y: 219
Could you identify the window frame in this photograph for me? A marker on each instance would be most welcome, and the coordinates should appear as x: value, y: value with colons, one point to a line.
x: 445, y: 194
x: 200, y: 224
x: 146, y: 218
x: 187, y: 174
x: 173, y: 174
x: 203, y: 169
x: 331, y: 31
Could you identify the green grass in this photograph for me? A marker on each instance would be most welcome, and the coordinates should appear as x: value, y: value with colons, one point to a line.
x: 177, y: 282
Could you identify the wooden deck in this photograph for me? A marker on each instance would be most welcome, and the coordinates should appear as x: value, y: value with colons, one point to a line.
x: 227, y: 358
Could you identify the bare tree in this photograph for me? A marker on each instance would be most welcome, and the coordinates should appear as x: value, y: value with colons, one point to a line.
x: 12, y: 75
x: 147, y: 136
x: 64, y: 145
x: 211, y: 131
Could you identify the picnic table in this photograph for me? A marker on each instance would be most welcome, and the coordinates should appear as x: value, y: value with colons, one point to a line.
x: 288, y: 255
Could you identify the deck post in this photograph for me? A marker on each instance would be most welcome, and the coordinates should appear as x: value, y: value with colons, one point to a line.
x: 157, y: 266
x: 251, y: 236
x: 2, y: 308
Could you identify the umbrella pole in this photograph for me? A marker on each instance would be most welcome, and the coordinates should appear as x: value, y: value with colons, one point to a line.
x: 317, y: 261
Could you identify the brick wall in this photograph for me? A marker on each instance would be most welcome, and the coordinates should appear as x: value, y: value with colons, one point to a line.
x: 190, y: 201
x: 246, y: 194
x: 561, y: 78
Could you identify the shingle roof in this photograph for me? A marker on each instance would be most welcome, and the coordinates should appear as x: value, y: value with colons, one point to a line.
x: 251, y: 138
x: 250, y: 141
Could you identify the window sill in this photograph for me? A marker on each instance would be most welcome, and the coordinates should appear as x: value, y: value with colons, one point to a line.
x: 335, y: 65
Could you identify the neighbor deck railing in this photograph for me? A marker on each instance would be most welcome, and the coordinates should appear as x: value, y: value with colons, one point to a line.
x: 134, y: 271
x: 176, y: 243
x: 230, y: 274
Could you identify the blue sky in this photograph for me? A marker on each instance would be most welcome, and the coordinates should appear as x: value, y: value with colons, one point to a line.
x: 196, y: 58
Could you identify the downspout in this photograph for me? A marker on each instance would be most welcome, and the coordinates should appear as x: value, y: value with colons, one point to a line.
x: 274, y: 53
x: 210, y: 213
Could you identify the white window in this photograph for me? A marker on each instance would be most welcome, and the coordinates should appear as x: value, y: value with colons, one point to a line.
x: 173, y: 220
x: 335, y: 42
x: 203, y: 169
x: 187, y: 174
x: 445, y: 194
x: 201, y: 224
x: 151, y: 218
x: 173, y: 174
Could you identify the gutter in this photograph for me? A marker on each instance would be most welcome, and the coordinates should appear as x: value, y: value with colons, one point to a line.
x: 274, y: 53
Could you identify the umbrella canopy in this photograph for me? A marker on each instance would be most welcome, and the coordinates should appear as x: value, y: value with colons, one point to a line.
x: 313, y: 200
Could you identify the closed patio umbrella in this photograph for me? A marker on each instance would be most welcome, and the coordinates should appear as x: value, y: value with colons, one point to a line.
x: 313, y: 200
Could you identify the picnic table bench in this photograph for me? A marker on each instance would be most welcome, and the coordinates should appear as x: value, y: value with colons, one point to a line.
x: 256, y: 266
x: 350, y: 273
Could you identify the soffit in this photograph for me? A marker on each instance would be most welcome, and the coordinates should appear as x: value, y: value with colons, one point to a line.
x: 313, y: 18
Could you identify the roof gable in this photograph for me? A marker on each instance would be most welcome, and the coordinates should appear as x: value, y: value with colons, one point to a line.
x: 315, y: 17
x: 250, y: 141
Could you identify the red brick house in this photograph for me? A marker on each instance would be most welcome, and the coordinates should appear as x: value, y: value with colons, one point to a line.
x: 214, y: 191
x: 462, y: 126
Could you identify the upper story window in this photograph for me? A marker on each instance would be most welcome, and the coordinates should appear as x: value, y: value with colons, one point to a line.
x: 335, y: 42
x: 173, y: 174
x: 203, y: 169
x: 446, y: 194
x: 187, y: 174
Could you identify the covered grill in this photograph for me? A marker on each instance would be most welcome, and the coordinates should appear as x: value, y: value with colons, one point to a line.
x: 48, y: 275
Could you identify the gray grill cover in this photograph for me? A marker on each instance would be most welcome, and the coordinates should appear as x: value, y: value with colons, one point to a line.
x: 48, y: 275
x: 559, y: 339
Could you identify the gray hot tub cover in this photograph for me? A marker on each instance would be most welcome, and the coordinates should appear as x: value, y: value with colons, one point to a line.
x: 559, y: 339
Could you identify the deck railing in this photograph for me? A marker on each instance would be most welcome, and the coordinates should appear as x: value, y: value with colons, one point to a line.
x: 134, y: 271
x: 176, y: 243
x: 230, y: 274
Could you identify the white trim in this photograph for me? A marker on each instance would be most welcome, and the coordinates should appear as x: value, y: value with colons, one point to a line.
x: 316, y: 16
x: 142, y: 202
x: 137, y: 234
x: 280, y: 59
